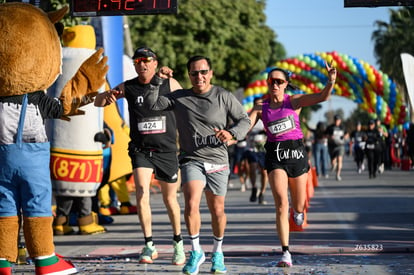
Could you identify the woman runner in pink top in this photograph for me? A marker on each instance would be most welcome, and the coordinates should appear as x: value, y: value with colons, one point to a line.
x: 286, y: 159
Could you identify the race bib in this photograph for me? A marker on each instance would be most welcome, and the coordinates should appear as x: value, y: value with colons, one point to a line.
x: 152, y: 125
x: 338, y: 136
x: 371, y: 146
x: 212, y: 168
x: 242, y: 144
x: 282, y: 125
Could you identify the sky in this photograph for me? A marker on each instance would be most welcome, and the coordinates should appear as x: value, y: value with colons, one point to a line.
x: 310, y: 26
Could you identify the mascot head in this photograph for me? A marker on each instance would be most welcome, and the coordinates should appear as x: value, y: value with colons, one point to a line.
x: 30, y: 50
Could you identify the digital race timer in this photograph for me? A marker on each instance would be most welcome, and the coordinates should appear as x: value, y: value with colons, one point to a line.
x: 88, y: 8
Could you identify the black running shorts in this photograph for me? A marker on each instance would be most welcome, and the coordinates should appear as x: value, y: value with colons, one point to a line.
x: 288, y: 155
x: 165, y: 165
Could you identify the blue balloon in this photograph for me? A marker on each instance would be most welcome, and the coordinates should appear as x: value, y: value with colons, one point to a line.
x: 379, y: 104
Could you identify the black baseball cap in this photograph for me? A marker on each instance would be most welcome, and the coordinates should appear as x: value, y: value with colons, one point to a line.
x: 144, y: 52
x: 336, y: 117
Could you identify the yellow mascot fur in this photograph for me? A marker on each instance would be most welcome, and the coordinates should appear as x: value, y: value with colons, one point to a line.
x: 30, y: 62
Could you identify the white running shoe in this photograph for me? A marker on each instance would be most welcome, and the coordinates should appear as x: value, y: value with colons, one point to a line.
x: 286, y: 260
x: 381, y: 168
x: 243, y: 188
x: 298, y: 218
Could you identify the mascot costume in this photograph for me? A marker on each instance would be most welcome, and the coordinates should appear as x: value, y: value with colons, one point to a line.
x: 30, y: 62
x: 76, y: 159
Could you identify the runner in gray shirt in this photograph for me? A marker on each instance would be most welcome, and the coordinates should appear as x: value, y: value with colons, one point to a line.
x: 209, y: 118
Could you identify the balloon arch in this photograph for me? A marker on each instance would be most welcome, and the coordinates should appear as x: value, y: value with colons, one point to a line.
x: 357, y: 80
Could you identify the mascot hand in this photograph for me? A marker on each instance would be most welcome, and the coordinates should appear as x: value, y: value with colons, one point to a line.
x: 84, y: 85
x: 95, y: 70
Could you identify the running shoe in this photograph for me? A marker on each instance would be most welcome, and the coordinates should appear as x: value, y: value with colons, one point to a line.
x: 261, y: 199
x: 286, y: 260
x: 217, y: 260
x: 381, y: 168
x: 148, y: 254
x: 54, y: 265
x: 63, y: 229
x: 243, y: 188
x: 6, y: 270
x: 179, y: 254
x: 5, y: 267
x: 253, y: 196
x: 127, y: 209
x: 298, y: 218
x: 193, y: 265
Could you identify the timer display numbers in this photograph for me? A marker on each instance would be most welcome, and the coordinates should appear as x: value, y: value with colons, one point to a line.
x: 376, y: 3
x: 88, y: 8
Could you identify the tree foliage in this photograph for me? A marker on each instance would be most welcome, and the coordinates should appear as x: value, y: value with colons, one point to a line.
x: 393, y: 38
x: 232, y: 33
x: 359, y: 115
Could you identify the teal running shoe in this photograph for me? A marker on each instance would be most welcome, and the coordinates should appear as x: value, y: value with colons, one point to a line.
x: 217, y: 260
x: 193, y: 265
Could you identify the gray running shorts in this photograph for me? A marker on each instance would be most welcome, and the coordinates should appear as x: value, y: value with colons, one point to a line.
x: 215, y: 181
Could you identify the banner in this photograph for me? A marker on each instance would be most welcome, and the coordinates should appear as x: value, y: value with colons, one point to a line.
x: 408, y: 70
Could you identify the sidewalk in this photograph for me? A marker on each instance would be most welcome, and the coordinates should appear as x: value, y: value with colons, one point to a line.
x: 355, y: 226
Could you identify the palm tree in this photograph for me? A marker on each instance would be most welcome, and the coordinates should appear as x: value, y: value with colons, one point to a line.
x: 392, y: 39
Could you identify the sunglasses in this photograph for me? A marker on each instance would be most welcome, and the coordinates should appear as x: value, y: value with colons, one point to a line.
x: 143, y: 59
x: 278, y: 81
x: 202, y: 72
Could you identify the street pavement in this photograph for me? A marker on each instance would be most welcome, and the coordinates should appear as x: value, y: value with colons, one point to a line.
x: 355, y: 226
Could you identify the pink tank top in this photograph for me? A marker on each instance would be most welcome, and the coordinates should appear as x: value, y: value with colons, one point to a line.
x: 282, y: 123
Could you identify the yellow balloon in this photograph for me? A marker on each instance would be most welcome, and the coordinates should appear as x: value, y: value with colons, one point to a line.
x: 302, y: 87
x: 329, y: 58
x: 371, y: 78
x: 257, y: 91
x: 364, y: 106
x: 373, y: 102
x: 248, y: 92
x: 398, y: 100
